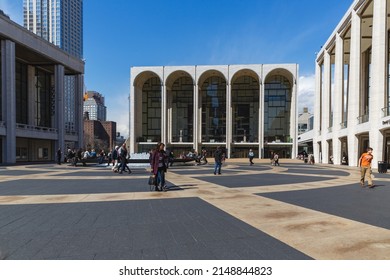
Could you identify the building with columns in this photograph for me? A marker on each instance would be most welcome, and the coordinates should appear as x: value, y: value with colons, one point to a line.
x: 32, y: 90
x: 237, y: 107
x: 353, y: 86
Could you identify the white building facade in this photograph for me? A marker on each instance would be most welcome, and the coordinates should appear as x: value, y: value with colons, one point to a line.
x: 237, y: 107
x: 353, y: 86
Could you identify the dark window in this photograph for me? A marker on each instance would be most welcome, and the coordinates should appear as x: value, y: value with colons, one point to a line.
x: 277, y: 110
x: 21, y: 83
x: 42, y: 98
x: 213, y: 94
x: 151, y: 110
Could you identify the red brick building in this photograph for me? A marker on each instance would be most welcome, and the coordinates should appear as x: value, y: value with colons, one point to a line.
x: 99, y: 134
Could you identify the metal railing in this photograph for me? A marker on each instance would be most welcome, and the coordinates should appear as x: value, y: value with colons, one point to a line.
x: 386, y: 111
x: 363, y: 119
x: 36, y: 128
x: 344, y: 125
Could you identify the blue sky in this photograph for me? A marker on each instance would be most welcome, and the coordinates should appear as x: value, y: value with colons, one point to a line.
x: 119, y: 34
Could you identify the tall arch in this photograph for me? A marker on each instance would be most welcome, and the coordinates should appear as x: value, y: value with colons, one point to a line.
x: 148, y: 118
x: 278, y: 132
x: 180, y: 94
x: 212, y: 86
x: 245, y: 92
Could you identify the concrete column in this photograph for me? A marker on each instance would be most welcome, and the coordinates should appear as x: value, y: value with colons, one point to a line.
x: 261, y: 111
x: 294, y: 115
x: 79, y: 96
x: 163, y: 113
x: 354, y: 89
x: 338, y: 97
x: 317, y: 113
x: 378, y: 77
x: 261, y: 119
x: 229, y: 120
x: 59, y: 74
x: 195, y: 125
x: 9, y: 99
x: 326, y: 108
x: 131, y: 118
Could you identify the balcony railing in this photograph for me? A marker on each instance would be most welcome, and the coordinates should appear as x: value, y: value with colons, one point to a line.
x: 386, y: 111
x: 344, y: 125
x: 36, y: 128
x: 70, y: 132
x: 363, y: 119
x: 330, y: 129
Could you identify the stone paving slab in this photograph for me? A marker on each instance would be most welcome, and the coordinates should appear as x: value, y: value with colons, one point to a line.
x: 316, y: 171
x: 102, y: 220
x: 102, y: 172
x: 6, y: 172
x: 187, y: 228
x: 74, y: 186
x: 370, y: 206
x: 255, y: 180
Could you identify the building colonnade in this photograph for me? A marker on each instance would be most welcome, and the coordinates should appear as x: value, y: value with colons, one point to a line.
x: 32, y: 74
x: 353, y: 87
x: 201, y: 107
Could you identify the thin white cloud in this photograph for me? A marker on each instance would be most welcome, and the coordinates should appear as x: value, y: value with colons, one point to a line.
x: 14, y: 9
x: 306, y: 92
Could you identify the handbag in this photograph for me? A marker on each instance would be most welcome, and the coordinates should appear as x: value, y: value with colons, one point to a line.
x: 152, y: 180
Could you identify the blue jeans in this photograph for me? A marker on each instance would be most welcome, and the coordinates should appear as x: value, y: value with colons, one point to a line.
x: 161, y: 177
x: 217, y: 167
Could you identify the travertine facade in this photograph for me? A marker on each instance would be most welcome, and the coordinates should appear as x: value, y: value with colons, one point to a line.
x: 200, y: 107
x: 352, y: 86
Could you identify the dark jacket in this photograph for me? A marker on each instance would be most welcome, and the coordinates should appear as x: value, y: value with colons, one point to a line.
x: 218, y: 156
x: 155, y: 160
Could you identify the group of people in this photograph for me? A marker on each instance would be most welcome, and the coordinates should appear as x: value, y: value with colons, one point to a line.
x: 160, y: 161
x: 198, y: 157
x: 119, y: 159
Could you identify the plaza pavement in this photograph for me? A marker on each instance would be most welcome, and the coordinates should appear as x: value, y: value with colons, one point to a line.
x: 292, y: 211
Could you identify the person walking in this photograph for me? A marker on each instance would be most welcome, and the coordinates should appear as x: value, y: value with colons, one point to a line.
x: 251, y: 156
x: 365, y: 168
x: 115, y: 158
x: 158, y: 164
x: 276, y: 159
x: 59, y: 156
x: 123, y: 158
x: 218, y: 156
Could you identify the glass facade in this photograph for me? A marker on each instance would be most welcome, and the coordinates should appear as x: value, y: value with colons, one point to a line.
x: 43, y: 96
x: 21, y: 83
x: 58, y: 21
x: 365, y: 93
x: 70, y: 103
x: 277, y: 110
x: 182, y: 97
x: 151, y: 111
x: 213, y: 94
x: 245, y: 105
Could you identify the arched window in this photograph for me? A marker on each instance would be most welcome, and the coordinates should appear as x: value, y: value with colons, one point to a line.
x: 213, y: 93
x: 277, y: 109
x: 151, y: 110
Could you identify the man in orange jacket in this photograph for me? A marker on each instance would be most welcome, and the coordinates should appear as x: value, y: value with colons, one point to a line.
x: 365, y: 167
